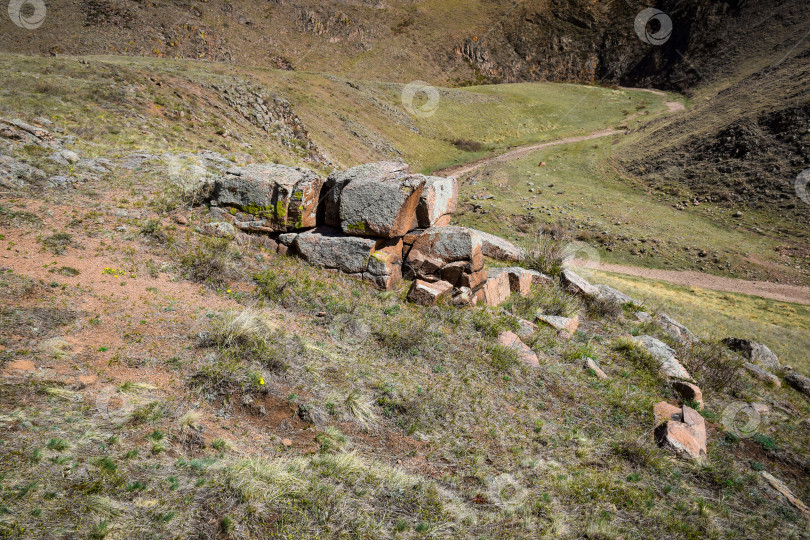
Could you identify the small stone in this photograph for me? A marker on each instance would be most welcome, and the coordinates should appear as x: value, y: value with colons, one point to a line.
x: 688, y: 392
x: 286, y: 442
x: 525, y: 353
x: 686, y: 437
x: 561, y: 324
x: 590, y: 364
x: 763, y: 375
x: 180, y: 220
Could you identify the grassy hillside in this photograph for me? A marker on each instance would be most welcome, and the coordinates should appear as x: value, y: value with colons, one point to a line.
x: 132, y: 104
x: 158, y: 382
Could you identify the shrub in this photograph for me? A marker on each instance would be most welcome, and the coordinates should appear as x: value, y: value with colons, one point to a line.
x: 208, y: 262
x: 468, y: 146
x: 57, y: 243
x: 250, y: 337
x: 604, y: 308
x: 712, y: 366
x: 636, y: 354
x: 550, y: 299
x: 546, y: 251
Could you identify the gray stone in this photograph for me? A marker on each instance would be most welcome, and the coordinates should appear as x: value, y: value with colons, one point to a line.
x: 499, y: 249
x: 762, y: 374
x: 220, y: 229
x: 561, y: 324
x: 669, y: 365
x: 383, y: 207
x: 798, y: 382
x: 675, y: 329
x: 277, y: 198
x: 287, y: 239
x: 756, y: 353
x: 376, y: 260
x: 615, y: 295
x: 333, y: 187
x: 578, y: 285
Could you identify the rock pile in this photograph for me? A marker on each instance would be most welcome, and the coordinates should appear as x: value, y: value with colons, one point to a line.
x: 378, y: 222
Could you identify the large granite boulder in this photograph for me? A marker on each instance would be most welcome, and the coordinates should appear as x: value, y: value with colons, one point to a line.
x: 269, y: 197
x: 499, y: 249
x: 381, y: 206
x: 333, y: 187
x: 376, y: 260
x: 437, y: 203
x: 756, y: 353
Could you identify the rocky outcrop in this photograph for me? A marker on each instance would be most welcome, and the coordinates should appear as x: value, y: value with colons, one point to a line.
x: 578, y: 285
x: 763, y: 375
x: 270, y: 198
x: 375, y: 221
x: 520, y: 279
x: 438, y: 202
x: 675, y: 329
x: 754, y: 352
x: 615, y: 295
x: 682, y: 430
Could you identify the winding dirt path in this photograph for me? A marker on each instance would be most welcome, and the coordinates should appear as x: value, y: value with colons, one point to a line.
x: 521, y: 151
x: 765, y: 289
x: 782, y: 292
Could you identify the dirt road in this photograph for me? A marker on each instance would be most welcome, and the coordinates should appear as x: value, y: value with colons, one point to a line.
x: 796, y: 294
x: 521, y: 151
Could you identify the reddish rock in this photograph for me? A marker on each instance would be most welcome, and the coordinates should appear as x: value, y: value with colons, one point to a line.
x: 437, y: 203
x: 428, y: 294
x: 592, y: 366
x: 273, y: 197
x: 495, y: 291
x: 525, y: 353
x: 520, y: 279
x: 687, y: 436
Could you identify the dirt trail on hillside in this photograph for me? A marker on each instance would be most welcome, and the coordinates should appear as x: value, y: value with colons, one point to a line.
x: 466, y: 168
x: 796, y: 294
x: 521, y: 151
